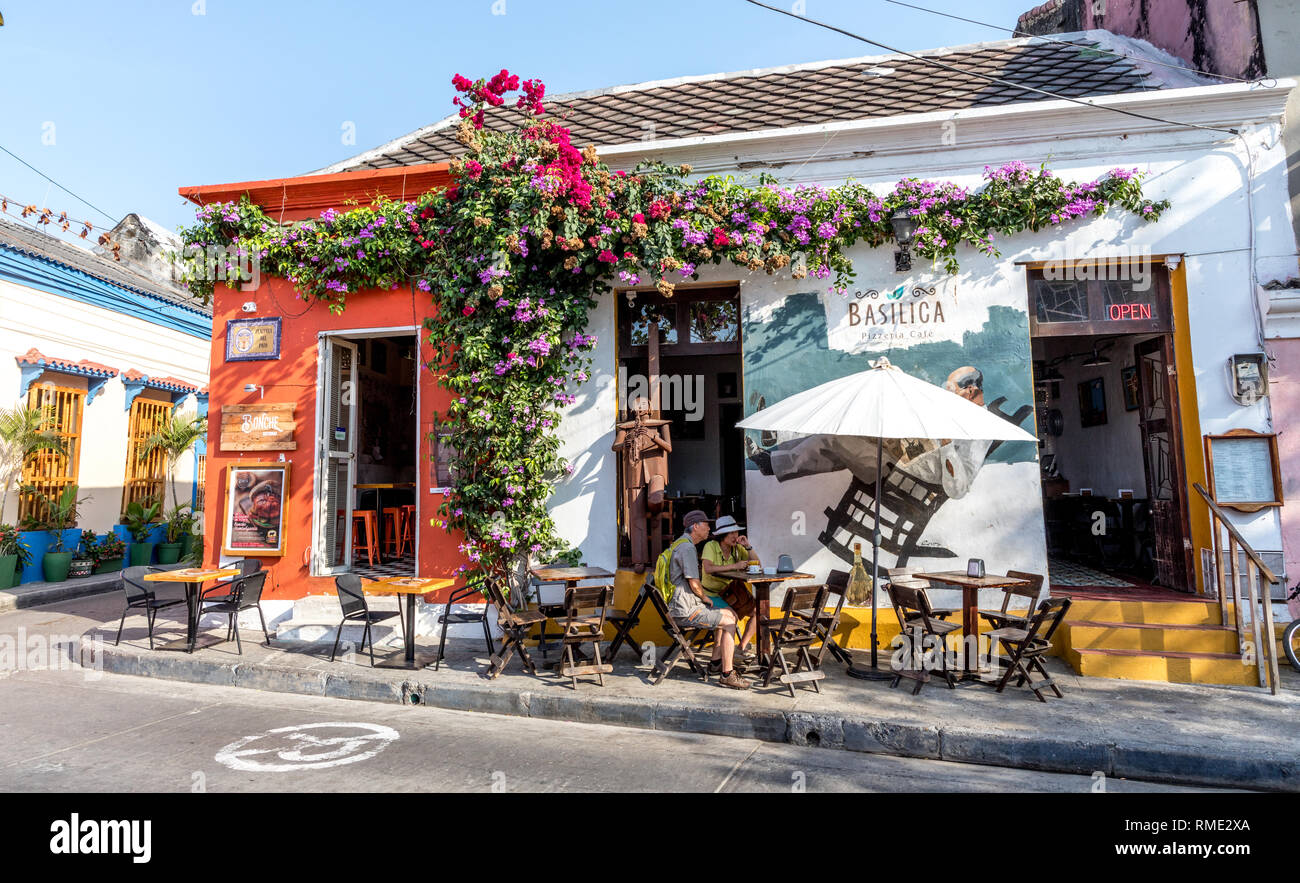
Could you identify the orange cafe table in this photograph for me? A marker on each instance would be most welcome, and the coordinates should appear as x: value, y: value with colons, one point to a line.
x: 411, y: 587
x: 193, y: 579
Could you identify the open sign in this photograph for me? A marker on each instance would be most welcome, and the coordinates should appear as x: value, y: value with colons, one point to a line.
x: 1129, y: 311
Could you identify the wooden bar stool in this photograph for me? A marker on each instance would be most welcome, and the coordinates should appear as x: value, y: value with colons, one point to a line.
x: 392, y: 530
x: 365, y: 520
x: 407, y: 544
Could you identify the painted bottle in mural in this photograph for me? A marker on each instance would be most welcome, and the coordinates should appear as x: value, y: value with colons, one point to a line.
x: 859, y: 591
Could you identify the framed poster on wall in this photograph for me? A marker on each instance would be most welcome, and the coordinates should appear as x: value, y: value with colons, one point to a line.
x: 251, y: 340
x: 254, y: 516
x: 1244, y: 471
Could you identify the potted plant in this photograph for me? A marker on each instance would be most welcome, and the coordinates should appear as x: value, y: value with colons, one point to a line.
x: 106, y: 554
x: 138, y: 519
x: 57, y: 514
x: 22, y: 435
x: 174, y: 437
x: 14, y: 556
x: 180, y: 521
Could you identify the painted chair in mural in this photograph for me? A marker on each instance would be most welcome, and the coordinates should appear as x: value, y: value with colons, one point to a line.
x: 1027, y: 647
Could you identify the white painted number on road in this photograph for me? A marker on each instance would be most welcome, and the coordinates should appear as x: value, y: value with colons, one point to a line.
x: 306, y: 747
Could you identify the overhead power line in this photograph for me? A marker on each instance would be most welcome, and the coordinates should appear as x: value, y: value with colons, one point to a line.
x: 58, y: 185
x: 1048, y: 39
x: 934, y: 62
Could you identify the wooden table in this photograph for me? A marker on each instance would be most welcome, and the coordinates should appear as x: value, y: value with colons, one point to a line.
x: 193, y: 578
x: 970, y: 595
x: 570, y: 576
x: 762, y: 584
x: 410, y: 586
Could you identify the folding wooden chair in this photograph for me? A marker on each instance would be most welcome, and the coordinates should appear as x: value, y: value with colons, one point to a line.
x: 796, y: 630
x: 1028, y: 645
x: 515, y: 626
x: 903, y: 576
x: 919, y: 627
x: 825, y: 624
x: 584, y: 623
x: 624, y: 622
x: 682, y: 640
x: 1000, y: 618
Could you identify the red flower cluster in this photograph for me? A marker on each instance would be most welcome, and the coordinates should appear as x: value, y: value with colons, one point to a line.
x: 488, y: 93
x: 534, y: 92
x: 659, y: 209
x: 720, y: 238
x: 567, y: 166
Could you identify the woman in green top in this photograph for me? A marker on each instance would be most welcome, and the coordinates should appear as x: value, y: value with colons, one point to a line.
x: 729, y: 548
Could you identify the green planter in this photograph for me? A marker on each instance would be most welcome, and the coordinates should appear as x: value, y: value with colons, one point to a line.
x: 55, y: 566
x: 169, y: 553
x: 110, y: 565
x: 141, y: 554
x: 187, y: 546
x: 8, y: 571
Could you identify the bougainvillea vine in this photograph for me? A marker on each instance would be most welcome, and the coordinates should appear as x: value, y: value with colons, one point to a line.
x: 515, y: 254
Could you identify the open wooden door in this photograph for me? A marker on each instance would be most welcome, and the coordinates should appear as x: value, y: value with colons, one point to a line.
x: 1162, y: 453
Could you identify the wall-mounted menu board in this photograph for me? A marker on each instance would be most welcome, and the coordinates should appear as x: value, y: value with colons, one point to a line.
x: 1244, y: 471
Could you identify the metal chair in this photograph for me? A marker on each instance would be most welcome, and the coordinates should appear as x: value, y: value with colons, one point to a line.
x: 245, y: 594
x: 469, y: 590
x: 355, y: 609
x: 139, y: 596
x: 247, y: 567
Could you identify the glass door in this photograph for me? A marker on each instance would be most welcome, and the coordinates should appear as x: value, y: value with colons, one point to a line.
x: 336, y: 423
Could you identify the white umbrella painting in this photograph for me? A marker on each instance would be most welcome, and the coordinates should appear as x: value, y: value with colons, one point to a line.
x: 883, y: 402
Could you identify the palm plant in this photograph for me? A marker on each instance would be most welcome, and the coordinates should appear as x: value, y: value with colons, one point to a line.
x: 174, y: 437
x: 57, y: 513
x: 21, y: 436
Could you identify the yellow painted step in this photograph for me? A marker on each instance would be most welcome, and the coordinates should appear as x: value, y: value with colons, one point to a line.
x: 1171, y: 667
x: 1148, y: 636
x: 1153, y: 612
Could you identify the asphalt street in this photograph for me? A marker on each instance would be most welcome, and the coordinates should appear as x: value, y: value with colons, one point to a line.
x: 72, y: 730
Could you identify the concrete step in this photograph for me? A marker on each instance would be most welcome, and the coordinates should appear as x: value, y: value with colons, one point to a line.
x: 1171, y: 666
x: 316, y: 618
x: 1189, y: 612
x: 1149, y: 636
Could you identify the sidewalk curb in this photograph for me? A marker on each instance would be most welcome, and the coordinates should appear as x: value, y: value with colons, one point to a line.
x: 40, y: 594
x: 1146, y: 761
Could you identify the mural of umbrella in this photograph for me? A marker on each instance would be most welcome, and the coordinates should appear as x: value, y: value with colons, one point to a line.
x: 883, y: 402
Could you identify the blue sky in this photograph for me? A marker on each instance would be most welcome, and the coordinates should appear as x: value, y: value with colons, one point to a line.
x: 124, y: 102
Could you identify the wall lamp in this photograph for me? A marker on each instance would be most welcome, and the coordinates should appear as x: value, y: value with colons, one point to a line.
x: 253, y: 387
x: 904, y: 226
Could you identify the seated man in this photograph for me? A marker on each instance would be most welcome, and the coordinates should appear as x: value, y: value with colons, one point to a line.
x: 727, y: 550
x: 691, y: 606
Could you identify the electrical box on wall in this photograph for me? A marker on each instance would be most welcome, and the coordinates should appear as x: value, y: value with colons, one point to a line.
x: 1248, y: 377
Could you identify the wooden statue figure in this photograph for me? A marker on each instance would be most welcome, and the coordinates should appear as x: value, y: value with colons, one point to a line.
x: 645, y: 443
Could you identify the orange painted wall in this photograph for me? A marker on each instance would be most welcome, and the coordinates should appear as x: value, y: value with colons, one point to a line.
x: 293, y: 379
